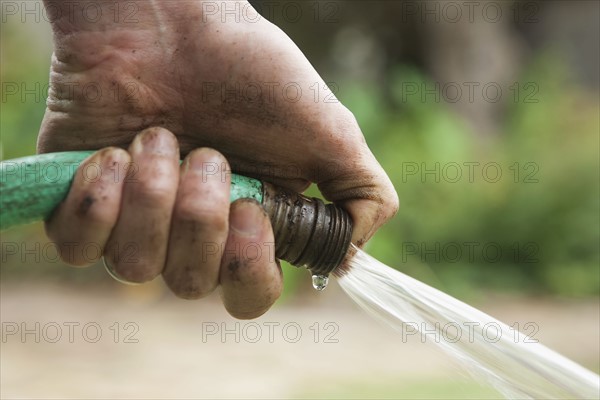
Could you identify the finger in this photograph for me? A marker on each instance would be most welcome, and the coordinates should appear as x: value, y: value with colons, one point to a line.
x: 199, y: 225
x: 355, y: 180
x: 82, y: 223
x: 137, y: 248
x: 370, y: 203
x: 250, y: 277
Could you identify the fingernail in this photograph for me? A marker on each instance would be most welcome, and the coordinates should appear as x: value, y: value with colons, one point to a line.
x: 104, y: 165
x: 113, y: 156
x: 208, y: 164
x: 114, y: 162
x: 246, y: 217
x: 158, y: 141
x: 198, y: 161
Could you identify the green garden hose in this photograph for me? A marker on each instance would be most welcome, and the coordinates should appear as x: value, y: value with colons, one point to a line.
x: 308, y: 233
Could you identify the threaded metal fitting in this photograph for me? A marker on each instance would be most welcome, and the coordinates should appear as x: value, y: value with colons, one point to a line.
x: 308, y: 233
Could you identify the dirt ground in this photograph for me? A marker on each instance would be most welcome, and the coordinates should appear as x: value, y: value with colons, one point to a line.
x: 140, y: 342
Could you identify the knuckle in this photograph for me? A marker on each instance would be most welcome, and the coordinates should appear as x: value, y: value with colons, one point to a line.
x: 391, y: 203
x: 192, y: 291
x: 347, y: 123
x: 68, y: 254
x: 135, y: 273
x: 67, y: 257
x: 190, y: 281
x: 187, y: 293
x: 127, y: 263
x: 191, y: 210
x: 154, y: 192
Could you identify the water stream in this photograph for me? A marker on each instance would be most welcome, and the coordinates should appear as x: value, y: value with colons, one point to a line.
x: 514, y: 364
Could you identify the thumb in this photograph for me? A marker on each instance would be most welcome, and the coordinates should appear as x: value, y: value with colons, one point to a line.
x: 363, y: 189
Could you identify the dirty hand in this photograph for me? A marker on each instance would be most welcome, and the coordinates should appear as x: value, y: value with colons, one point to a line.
x: 166, y: 79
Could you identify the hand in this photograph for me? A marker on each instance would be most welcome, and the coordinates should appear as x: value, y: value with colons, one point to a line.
x: 242, y: 88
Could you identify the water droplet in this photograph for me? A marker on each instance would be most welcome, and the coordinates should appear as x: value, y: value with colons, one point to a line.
x: 320, y: 281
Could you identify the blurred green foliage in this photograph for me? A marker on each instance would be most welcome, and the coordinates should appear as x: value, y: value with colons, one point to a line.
x: 535, y: 228
x: 24, y: 73
x: 544, y: 220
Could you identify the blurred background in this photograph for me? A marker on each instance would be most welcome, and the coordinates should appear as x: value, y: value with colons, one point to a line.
x: 486, y: 117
